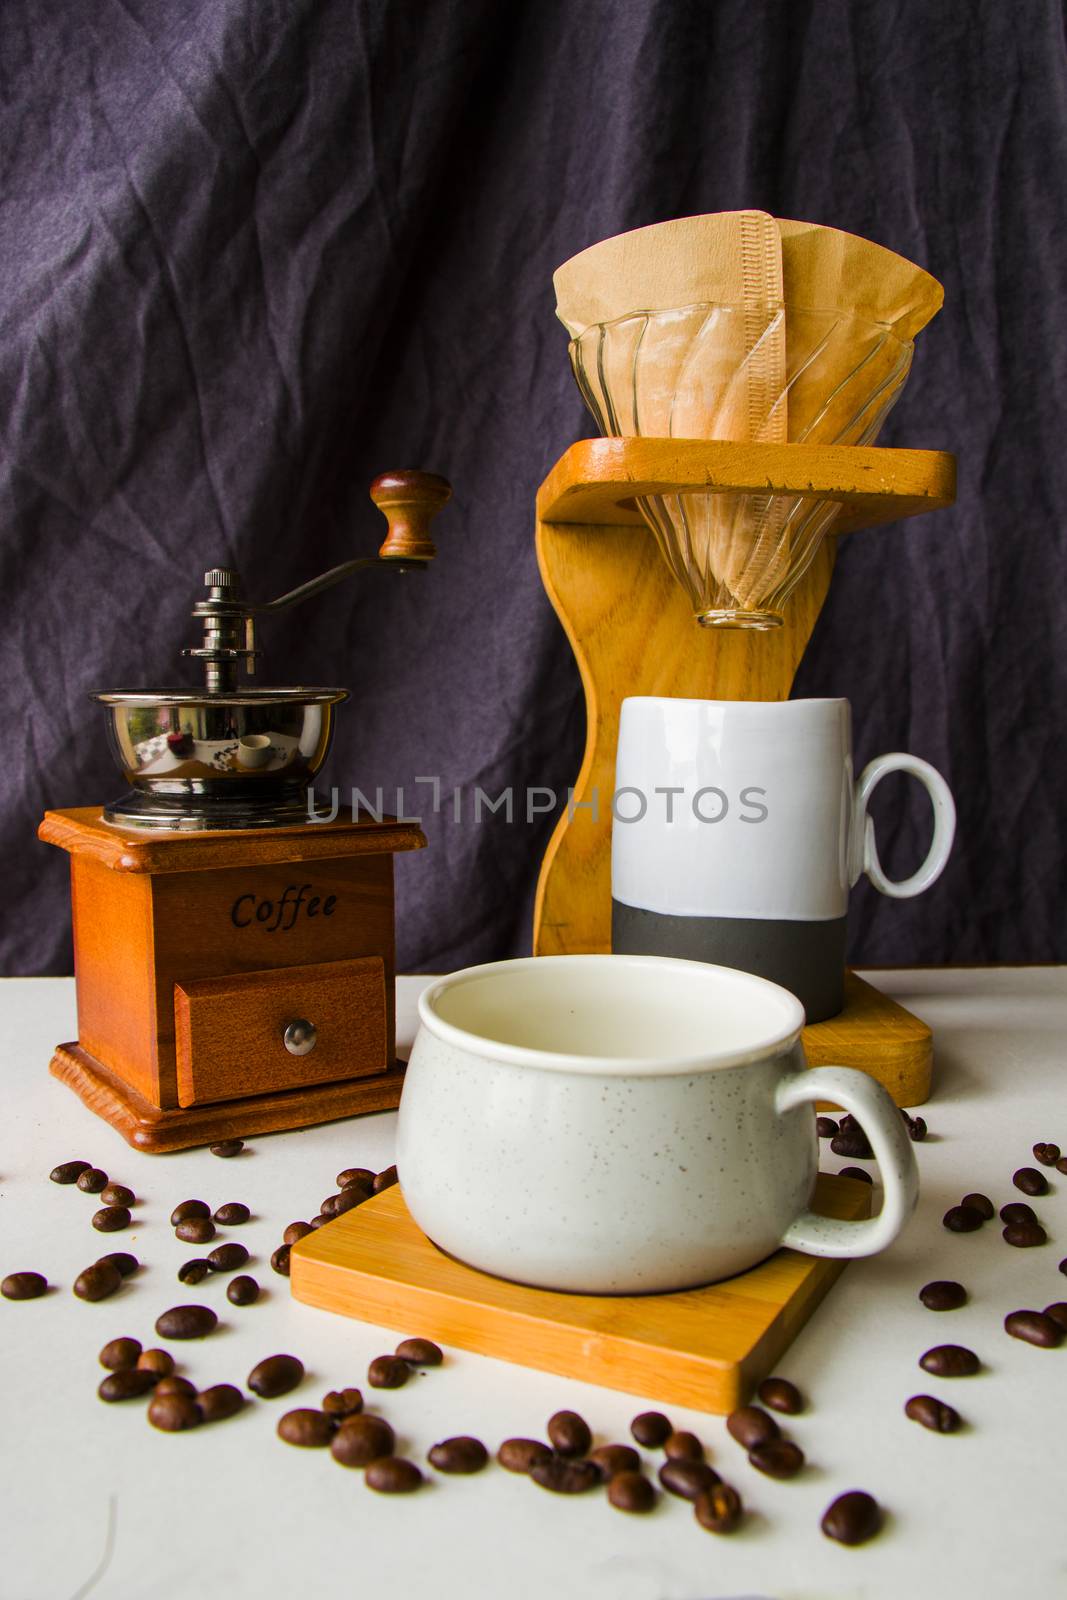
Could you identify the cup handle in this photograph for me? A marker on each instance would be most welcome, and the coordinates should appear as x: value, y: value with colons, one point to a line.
x: 864, y: 850
x: 884, y: 1126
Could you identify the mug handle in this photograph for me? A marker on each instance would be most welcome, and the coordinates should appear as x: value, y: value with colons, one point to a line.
x: 864, y: 850
x: 884, y: 1126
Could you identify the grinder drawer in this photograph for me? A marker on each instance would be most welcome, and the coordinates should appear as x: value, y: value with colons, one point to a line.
x: 258, y: 1032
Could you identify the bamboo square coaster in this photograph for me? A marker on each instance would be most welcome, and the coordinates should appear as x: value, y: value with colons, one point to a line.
x: 703, y: 1348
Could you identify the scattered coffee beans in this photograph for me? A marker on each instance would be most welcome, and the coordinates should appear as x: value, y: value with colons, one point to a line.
x: 1063, y: 1265
x: 1017, y: 1211
x: 852, y: 1518
x: 857, y: 1173
x: 341, y: 1403
x: 31, y: 1285
x: 111, y: 1219
x: 751, y: 1426
x: 227, y: 1257
x: 355, y: 1175
x: 69, y: 1171
x: 310, y: 1430
x: 1058, y: 1312
x: 520, y: 1455
x: 360, y: 1440
x: 852, y: 1142
x: 613, y: 1458
x: 1047, y: 1154
x: 718, y: 1509
x: 1061, y: 1164
x: 186, y: 1322
x: 569, y: 1434
x: 122, y: 1261
x: 280, y: 1260
x: 461, y: 1455
x: 117, y: 1194
x: 1028, y: 1179
x: 980, y: 1203
x: 175, y: 1386
x: 222, y: 1400
x: 174, y: 1413
x: 227, y: 1147
x: 687, y: 1479
x: 129, y: 1384
x: 778, y: 1458
x: 275, y: 1375
x: 682, y: 1446
x: 232, y: 1215
x: 950, y: 1361
x: 631, y: 1491
x: 388, y: 1372
x: 932, y: 1414
x: 1024, y: 1235
x: 243, y: 1291
x: 563, y: 1475
x: 651, y: 1428
x: 97, y: 1281
x: 92, y: 1180
x: 119, y: 1354
x: 328, y: 1208
x: 781, y: 1395
x: 160, y: 1362
x: 420, y: 1352
x: 318, y: 1221
x: 962, y: 1219
x: 1035, y: 1328
x: 917, y: 1129
x: 195, y: 1230
x: 348, y: 1199
x: 384, y: 1180
x: 392, y: 1475
x: 825, y: 1127
x: 943, y: 1295
x: 187, y: 1209
x: 194, y: 1271
x: 295, y: 1231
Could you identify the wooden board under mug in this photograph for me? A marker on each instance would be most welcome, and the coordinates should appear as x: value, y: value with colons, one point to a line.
x: 704, y: 1348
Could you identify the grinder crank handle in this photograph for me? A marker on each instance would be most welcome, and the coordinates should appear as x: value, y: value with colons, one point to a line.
x: 409, y: 501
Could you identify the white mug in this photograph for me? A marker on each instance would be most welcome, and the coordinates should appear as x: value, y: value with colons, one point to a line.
x: 738, y: 831
x: 627, y: 1124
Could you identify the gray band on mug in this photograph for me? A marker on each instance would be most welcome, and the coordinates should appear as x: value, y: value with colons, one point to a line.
x: 808, y: 958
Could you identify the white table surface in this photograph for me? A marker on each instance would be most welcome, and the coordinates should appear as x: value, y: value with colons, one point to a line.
x: 95, y: 1502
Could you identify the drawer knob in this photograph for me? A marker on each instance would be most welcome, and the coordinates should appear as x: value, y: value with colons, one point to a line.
x: 299, y: 1037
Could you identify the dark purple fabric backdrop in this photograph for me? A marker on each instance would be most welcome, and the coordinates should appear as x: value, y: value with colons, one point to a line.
x: 253, y: 253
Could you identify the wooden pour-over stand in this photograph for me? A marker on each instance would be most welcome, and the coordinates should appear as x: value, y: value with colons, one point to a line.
x: 632, y: 632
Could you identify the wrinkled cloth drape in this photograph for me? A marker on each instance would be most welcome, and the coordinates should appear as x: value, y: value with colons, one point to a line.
x: 253, y: 252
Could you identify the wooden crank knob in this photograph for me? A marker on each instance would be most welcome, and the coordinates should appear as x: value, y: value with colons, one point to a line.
x: 409, y: 501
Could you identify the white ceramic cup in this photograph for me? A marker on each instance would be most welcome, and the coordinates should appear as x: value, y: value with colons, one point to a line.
x: 627, y: 1124
x: 254, y: 750
x: 738, y: 831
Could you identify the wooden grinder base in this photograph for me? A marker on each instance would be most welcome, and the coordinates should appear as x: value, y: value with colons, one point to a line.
x: 703, y: 1348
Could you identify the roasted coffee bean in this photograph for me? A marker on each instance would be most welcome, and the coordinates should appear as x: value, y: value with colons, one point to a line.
x: 718, y: 1509
x: 852, y: 1518
x: 118, y: 1354
x: 348, y: 1200
x: 360, y: 1440
x: 1058, y: 1312
x: 227, y: 1148
x: 1035, y: 1328
x: 174, y: 1385
x: 186, y: 1322
x: 384, y: 1180
x: 631, y: 1491
x: 328, y: 1208
x: 520, y: 1455
x: 280, y: 1260
x: 932, y: 1414
x: 117, y: 1194
x: 188, y: 1209
x: 31, y: 1285
x: 461, y: 1455
x: 174, y: 1413
x: 1047, y: 1154
x: 341, y: 1403
x: 1024, y: 1235
x: 825, y: 1127
x: 195, y: 1230
x: 568, y: 1433
x: 111, y: 1219
x: 1028, y: 1179
x: 388, y: 1372
x: 361, y: 1175
x: 950, y: 1361
x: 613, y: 1458
x: 194, y: 1271
x: 97, y: 1281
x: 651, y: 1428
x: 980, y: 1203
x: 1061, y: 1164
x: 687, y: 1479
x: 917, y: 1129
x: 961, y: 1219
x: 123, y: 1261
x: 852, y: 1142
x: 751, y: 1426
x: 310, y: 1430
x: 1017, y: 1211
x: 392, y: 1475
x: 420, y: 1352
x: 778, y: 1458
x: 319, y: 1221
x: 781, y: 1395
x: 221, y: 1401
x: 227, y: 1257
x: 129, y: 1384
x: 69, y: 1171
x: 563, y: 1475
x: 296, y: 1231
x: 857, y: 1173
x: 92, y: 1180
x: 682, y: 1446
x: 232, y: 1215
x: 161, y: 1362
x: 243, y: 1291
x: 275, y: 1375
x: 943, y: 1295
